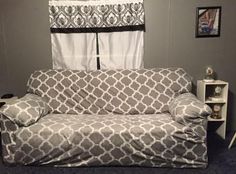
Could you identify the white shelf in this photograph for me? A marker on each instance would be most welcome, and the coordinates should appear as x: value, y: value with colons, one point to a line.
x: 213, y: 119
x: 215, y: 101
x: 206, y: 92
x: 215, y: 82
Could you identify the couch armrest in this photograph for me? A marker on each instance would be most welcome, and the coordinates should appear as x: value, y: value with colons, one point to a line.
x: 186, y: 109
x: 8, y: 129
x: 26, y: 110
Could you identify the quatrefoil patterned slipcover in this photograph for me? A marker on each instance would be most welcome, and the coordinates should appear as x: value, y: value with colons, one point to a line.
x: 110, y: 91
x: 107, y: 118
x: 26, y: 110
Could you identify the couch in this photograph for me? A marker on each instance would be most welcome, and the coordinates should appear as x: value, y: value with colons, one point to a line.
x: 69, y: 118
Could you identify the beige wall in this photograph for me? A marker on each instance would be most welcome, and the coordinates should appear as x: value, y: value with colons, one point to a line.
x: 169, y: 41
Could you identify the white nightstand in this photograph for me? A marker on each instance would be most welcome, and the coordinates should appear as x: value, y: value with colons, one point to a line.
x: 215, y: 94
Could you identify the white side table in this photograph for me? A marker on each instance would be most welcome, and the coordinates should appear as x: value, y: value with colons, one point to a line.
x: 215, y: 95
x: 232, y: 141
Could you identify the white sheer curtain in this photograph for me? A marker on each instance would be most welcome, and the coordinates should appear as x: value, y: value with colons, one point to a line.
x: 75, y: 51
x: 121, y: 50
x: 112, y: 30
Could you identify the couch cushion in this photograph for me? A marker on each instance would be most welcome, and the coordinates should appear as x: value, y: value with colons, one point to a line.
x: 26, y: 110
x: 145, y: 91
x: 81, y: 140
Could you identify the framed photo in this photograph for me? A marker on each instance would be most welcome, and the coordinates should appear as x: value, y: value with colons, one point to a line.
x: 208, y: 21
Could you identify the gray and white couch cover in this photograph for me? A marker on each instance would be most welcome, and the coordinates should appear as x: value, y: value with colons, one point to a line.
x: 74, y: 118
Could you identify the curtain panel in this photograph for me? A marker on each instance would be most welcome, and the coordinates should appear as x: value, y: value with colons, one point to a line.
x: 108, y: 31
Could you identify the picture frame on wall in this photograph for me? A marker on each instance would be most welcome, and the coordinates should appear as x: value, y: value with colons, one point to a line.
x: 208, y: 21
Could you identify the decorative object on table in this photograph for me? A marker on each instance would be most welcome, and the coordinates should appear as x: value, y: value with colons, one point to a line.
x: 216, y: 95
x: 216, y: 111
x: 217, y: 91
x: 209, y: 74
x: 208, y: 21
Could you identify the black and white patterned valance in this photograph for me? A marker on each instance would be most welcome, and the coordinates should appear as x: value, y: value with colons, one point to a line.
x: 96, y: 16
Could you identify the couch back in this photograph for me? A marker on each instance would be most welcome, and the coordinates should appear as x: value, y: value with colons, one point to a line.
x: 145, y: 91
